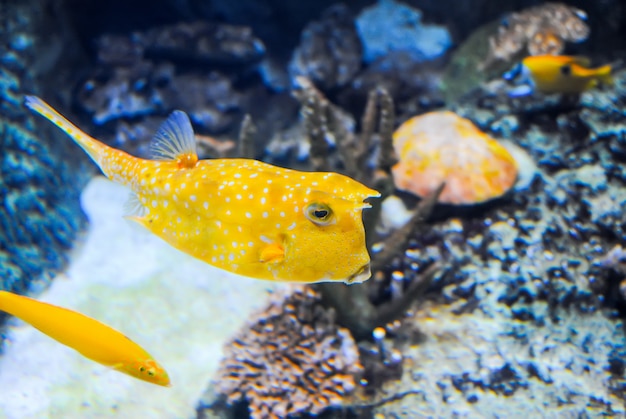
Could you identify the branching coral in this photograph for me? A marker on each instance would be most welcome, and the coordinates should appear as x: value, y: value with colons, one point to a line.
x: 291, y: 358
x: 368, y: 158
x: 541, y: 29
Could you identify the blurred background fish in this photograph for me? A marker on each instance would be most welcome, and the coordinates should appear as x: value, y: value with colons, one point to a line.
x: 558, y: 74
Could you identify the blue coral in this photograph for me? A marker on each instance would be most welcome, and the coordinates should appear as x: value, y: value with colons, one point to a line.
x: 393, y: 26
x: 40, y: 213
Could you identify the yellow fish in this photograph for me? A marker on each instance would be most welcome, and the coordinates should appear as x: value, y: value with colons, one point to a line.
x: 91, y: 338
x: 241, y: 215
x: 564, y: 74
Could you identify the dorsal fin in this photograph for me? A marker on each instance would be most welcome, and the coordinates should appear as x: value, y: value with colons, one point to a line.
x: 581, y: 60
x: 175, y: 140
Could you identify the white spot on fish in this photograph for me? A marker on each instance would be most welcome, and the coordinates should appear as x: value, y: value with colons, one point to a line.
x: 263, y: 200
x: 265, y: 214
x: 154, y: 203
x: 248, y: 215
x: 265, y: 239
x: 206, y: 205
x: 292, y: 226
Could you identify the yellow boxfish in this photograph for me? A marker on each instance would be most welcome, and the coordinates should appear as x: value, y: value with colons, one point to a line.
x: 91, y: 338
x: 245, y: 216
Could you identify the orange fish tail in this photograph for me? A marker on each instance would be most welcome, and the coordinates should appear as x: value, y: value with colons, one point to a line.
x: 92, y: 146
x: 110, y: 160
x: 604, y: 74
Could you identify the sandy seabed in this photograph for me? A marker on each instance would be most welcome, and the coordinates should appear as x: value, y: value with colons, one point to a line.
x: 178, y: 308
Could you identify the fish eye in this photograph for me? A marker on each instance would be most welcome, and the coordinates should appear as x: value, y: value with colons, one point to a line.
x: 566, y: 70
x: 319, y: 213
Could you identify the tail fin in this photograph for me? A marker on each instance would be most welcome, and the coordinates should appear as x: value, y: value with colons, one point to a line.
x: 92, y: 146
x: 605, y: 74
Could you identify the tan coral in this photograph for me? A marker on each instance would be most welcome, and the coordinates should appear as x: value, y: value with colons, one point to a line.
x: 541, y: 29
x: 443, y: 147
x: 291, y: 359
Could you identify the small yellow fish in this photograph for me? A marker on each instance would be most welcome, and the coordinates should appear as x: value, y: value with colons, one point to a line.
x: 91, y: 338
x: 241, y: 215
x: 564, y: 74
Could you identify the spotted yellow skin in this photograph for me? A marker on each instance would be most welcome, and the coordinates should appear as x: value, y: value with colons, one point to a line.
x: 91, y: 338
x: 241, y: 215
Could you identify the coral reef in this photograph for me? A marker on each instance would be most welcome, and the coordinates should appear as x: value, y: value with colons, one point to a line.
x: 540, y: 30
x: 528, y: 306
x: 143, y: 76
x: 441, y: 147
x: 394, y: 26
x: 40, y: 214
x: 291, y: 359
x: 489, y: 363
x: 329, y: 53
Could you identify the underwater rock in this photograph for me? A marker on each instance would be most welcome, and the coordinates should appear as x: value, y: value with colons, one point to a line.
x: 487, y: 364
x: 440, y: 147
x: 217, y: 44
x: 527, y: 307
x: 393, y: 26
x: 203, y: 42
x: 414, y: 85
x: 329, y: 53
x: 464, y: 71
x: 291, y: 359
x: 40, y: 179
x: 539, y: 30
x: 147, y: 75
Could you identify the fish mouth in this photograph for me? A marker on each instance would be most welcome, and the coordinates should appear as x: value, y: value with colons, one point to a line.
x: 361, y: 275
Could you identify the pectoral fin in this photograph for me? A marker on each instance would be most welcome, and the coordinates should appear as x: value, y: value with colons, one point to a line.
x: 272, y: 253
